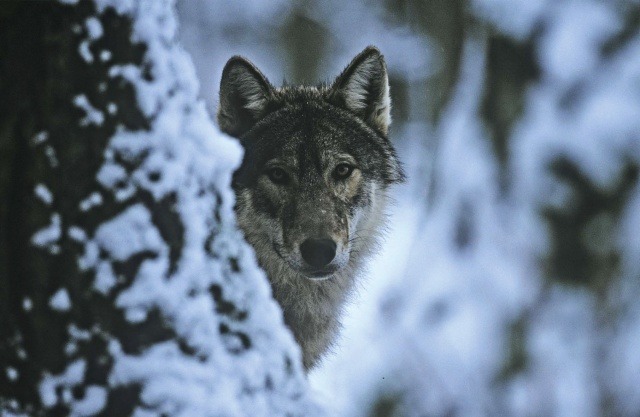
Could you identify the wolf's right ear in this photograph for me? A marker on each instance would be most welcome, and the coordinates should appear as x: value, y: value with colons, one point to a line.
x: 363, y: 88
x: 244, y: 95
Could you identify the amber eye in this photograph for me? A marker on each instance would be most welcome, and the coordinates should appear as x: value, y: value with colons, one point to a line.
x: 342, y: 171
x: 278, y: 175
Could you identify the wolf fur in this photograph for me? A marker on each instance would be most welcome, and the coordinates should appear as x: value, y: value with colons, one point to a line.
x: 312, y: 188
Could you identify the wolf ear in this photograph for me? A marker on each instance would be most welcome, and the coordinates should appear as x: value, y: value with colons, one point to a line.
x: 363, y: 88
x: 244, y: 95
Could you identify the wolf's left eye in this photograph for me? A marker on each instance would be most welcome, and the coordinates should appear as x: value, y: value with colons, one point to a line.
x: 278, y: 175
x: 343, y: 171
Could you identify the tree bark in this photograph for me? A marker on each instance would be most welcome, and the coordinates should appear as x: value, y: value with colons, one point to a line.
x: 61, y: 334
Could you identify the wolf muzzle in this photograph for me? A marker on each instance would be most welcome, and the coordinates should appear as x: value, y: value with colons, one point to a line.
x: 318, y: 253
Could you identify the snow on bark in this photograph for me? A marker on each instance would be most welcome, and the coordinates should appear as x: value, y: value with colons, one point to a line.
x: 243, y: 364
x: 186, y: 323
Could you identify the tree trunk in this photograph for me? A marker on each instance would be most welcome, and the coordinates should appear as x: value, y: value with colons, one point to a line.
x: 124, y: 285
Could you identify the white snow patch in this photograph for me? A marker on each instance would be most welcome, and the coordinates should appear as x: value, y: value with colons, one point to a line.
x: 131, y: 232
x: 51, y: 156
x: 48, y: 234
x: 94, y: 28
x: 115, y: 177
x: 85, y: 52
x: 105, y: 278
x: 111, y: 175
x: 571, y: 49
x: 12, y: 373
x: 93, y: 116
x: 77, y: 333
x: 95, y: 398
x: 43, y: 193
x: 105, y: 55
x: 94, y: 199
x: 72, y: 376
x: 40, y: 137
x: 76, y: 233
x: 60, y: 301
x: 94, y: 32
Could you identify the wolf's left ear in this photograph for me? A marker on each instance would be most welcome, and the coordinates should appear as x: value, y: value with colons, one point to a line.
x: 363, y: 88
x: 244, y: 95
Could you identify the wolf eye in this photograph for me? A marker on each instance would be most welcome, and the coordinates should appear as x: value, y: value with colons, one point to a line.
x: 278, y: 175
x: 342, y: 171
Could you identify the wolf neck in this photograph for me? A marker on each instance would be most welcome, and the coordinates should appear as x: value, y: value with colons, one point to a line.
x: 312, y: 308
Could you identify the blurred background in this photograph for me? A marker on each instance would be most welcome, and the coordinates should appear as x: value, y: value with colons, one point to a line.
x: 508, y: 284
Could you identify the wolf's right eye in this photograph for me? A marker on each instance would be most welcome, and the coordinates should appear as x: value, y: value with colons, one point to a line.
x: 342, y: 171
x: 278, y: 175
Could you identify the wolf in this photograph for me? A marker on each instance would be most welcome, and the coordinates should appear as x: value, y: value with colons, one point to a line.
x: 312, y: 189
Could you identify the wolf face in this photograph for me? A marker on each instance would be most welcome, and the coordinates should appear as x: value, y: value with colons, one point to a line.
x: 311, y: 190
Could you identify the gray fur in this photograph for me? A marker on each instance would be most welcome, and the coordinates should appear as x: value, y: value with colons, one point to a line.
x: 311, y: 136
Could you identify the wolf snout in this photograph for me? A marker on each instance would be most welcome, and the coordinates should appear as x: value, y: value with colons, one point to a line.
x: 318, y: 252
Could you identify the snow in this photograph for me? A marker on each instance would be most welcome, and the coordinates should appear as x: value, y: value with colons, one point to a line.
x: 94, y: 28
x: 44, y: 194
x: 95, y: 398
x: 93, y: 116
x: 60, y: 301
x: 130, y: 232
x: 570, y: 50
x: 105, y: 55
x: 50, y: 234
x: 72, y: 376
x: 223, y: 365
x: 40, y: 137
x: 105, y: 278
x: 114, y: 176
x: 78, y: 334
x: 51, y: 156
x: 7, y: 413
x: 94, y: 199
x: 12, y: 373
x: 76, y: 233
x: 94, y: 32
x: 85, y: 52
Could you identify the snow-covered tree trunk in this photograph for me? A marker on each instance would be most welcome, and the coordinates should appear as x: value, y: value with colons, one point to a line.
x: 125, y: 287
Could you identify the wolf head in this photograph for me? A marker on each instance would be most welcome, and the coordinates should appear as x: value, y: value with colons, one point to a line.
x: 317, y: 164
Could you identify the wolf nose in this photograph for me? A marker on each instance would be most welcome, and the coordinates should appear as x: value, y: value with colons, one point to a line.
x: 318, y: 252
